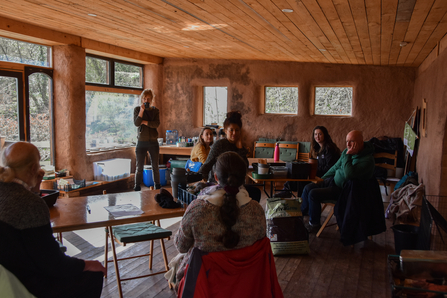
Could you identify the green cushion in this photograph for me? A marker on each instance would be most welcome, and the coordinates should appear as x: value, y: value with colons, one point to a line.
x: 304, y: 147
x: 286, y: 154
x: 261, y: 152
x: 265, y: 140
x: 139, y: 232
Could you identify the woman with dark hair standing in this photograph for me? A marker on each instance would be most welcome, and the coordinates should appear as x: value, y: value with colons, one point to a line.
x: 223, y: 216
x: 232, y: 142
x: 202, y: 148
x: 147, y: 118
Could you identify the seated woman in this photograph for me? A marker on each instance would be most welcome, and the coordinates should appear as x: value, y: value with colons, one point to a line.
x: 232, y: 142
x: 322, y: 148
x: 223, y: 216
x: 202, y: 148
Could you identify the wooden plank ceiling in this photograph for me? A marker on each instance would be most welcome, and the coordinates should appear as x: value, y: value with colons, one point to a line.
x: 328, y: 31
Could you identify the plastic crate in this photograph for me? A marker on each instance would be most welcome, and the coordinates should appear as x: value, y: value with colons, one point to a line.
x: 185, y: 197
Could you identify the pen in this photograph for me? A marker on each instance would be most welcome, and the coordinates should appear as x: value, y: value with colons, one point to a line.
x: 88, y: 209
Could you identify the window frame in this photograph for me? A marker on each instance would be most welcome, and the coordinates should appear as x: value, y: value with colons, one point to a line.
x: 111, y: 74
x: 263, y: 101
x: 202, y: 92
x: 313, y: 102
x: 49, y: 53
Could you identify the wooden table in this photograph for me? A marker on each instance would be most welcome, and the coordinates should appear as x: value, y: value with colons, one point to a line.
x: 69, y: 214
x: 273, y: 180
x: 174, y: 150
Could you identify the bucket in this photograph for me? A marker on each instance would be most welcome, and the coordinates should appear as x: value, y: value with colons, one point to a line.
x: 405, y: 237
x: 149, y: 181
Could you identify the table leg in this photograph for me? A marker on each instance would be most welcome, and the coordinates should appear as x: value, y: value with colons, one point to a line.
x: 271, y: 189
x: 263, y: 186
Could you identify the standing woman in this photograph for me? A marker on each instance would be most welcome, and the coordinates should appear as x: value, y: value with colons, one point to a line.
x: 147, y: 118
x: 202, y: 148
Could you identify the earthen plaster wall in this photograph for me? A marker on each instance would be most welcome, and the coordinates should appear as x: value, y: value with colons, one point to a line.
x: 431, y: 84
x: 69, y: 115
x: 382, y: 98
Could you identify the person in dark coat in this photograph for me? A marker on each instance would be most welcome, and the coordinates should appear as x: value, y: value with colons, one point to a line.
x: 27, y: 248
x: 356, y: 162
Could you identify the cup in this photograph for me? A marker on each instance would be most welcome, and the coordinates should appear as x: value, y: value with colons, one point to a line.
x: 263, y: 169
x: 160, y: 141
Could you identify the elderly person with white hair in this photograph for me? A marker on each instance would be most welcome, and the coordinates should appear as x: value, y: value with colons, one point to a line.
x: 27, y: 247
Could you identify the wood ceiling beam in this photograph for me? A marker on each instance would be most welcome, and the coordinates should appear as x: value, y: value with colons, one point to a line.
x: 36, y: 34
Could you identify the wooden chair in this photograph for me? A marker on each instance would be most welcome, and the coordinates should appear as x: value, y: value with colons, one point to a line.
x: 288, y: 151
x: 133, y: 233
x: 391, y: 164
x: 303, y: 156
x: 263, y: 150
x: 331, y: 204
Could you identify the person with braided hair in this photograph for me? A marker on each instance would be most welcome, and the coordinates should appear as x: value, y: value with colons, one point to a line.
x: 223, y: 217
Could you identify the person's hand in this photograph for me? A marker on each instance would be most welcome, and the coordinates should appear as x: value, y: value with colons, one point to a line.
x: 352, y: 148
x: 318, y: 179
x: 145, y: 122
x: 141, y: 110
x: 40, y: 174
x: 94, y: 266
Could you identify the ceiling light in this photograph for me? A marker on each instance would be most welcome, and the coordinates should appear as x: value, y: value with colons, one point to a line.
x: 403, y: 43
x: 288, y: 10
x: 186, y: 46
x: 92, y: 14
x: 322, y: 50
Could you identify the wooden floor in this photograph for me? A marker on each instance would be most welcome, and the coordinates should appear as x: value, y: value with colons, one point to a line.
x: 330, y: 270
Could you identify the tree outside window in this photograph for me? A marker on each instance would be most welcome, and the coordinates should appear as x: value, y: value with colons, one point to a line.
x: 281, y: 100
x: 215, y: 105
x: 333, y: 101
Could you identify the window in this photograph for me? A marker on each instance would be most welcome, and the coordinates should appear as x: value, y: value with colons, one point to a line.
x: 281, y: 100
x: 24, y: 52
x: 102, y: 71
x: 333, y: 101
x: 214, y: 105
x: 28, y: 118
x: 127, y: 75
x: 109, y: 120
x: 97, y: 70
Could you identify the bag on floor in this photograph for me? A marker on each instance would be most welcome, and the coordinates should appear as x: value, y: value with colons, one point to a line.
x: 285, y: 227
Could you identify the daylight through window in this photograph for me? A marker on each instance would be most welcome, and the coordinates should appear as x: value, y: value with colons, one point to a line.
x: 333, y: 101
x: 24, y: 52
x: 109, y: 120
x: 281, y: 100
x: 214, y: 105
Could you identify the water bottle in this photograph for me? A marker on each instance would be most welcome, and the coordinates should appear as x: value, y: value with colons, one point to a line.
x: 276, y: 154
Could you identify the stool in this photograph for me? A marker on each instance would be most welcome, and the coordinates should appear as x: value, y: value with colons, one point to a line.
x: 133, y: 233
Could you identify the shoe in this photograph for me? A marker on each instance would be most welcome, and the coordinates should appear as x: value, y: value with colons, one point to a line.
x: 312, y: 228
x: 285, y: 194
x: 137, y: 188
x: 157, y: 186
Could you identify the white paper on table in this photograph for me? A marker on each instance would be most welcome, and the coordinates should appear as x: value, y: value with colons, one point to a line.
x: 124, y: 210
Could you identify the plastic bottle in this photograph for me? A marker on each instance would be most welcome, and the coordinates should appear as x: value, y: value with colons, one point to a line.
x: 276, y: 154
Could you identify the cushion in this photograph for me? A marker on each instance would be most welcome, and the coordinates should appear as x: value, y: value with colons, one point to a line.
x: 139, y: 232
